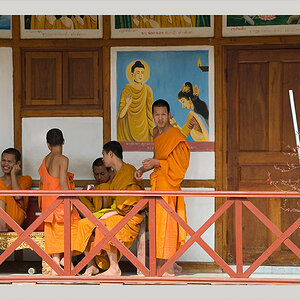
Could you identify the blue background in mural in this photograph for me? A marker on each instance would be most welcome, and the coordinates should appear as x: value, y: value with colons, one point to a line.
x: 5, y: 22
x: 169, y: 70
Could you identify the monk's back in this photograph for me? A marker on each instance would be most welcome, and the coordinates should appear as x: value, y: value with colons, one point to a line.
x: 52, y: 162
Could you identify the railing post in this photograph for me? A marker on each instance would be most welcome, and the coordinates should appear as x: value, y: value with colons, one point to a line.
x: 152, y: 236
x: 67, y: 236
x: 239, y: 237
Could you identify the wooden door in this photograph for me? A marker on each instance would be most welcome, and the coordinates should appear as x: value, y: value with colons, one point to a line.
x: 260, y: 139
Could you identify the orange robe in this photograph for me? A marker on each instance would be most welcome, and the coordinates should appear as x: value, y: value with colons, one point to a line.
x: 13, y: 207
x: 123, y: 180
x: 95, y: 203
x: 54, y: 223
x: 172, y: 149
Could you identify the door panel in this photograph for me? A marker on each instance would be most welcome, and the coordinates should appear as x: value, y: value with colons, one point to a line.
x: 260, y: 142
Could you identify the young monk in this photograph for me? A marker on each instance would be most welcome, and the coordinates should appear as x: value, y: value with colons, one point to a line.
x: 54, y: 176
x: 12, y: 180
x: 123, y: 180
x: 170, y: 162
x: 103, y: 177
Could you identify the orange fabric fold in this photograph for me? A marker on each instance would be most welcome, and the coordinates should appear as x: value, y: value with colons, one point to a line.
x: 172, y: 149
x: 13, y: 207
x: 123, y: 180
x: 54, y: 223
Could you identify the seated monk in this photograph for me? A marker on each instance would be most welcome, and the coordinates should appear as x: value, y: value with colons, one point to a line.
x: 12, y: 180
x: 109, y: 255
x: 103, y: 177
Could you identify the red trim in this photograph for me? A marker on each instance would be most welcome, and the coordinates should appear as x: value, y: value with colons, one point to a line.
x: 149, y: 147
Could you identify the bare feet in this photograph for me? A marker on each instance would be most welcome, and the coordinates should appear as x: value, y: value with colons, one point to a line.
x: 111, y: 272
x: 177, y: 268
x: 91, y: 270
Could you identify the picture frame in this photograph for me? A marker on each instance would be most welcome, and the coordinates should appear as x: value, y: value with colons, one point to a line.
x: 194, y: 64
x: 5, y: 27
x: 162, y: 26
x: 56, y: 27
x: 260, y: 25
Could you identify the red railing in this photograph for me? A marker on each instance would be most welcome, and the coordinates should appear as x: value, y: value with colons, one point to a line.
x: 236, y: 198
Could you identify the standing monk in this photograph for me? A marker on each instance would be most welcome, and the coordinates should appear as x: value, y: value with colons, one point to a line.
x: 54, y: 176
x: 124, y: 179
x: 170, y: 162
x: 12, y: 180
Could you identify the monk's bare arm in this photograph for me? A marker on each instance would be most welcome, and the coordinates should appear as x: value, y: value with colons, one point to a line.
x: 63, y: 170
x: 16, y: 169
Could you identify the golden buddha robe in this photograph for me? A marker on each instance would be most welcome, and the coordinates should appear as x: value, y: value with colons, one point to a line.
x: 173, y: 152
x: 137, y: 124
x: 13, y: 207
x: 54, y: 223
x: 94, y: 204
x: 123, y: 180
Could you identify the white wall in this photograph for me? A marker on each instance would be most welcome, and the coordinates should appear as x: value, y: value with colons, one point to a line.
x: 83, y: 143
x: 6, y: 100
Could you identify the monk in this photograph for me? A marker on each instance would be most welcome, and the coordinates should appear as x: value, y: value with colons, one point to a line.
x: 12, y: 180
x: 170, y: 162
x: 103, y: 177
x: 54, y: 176
x: 109, y: 256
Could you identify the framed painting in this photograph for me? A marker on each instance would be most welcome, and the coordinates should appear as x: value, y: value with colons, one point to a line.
x: 5, y: 27
x: 258, y: 25
x: 61, y: 26
x: 184, y: 76
x: 161, y: 26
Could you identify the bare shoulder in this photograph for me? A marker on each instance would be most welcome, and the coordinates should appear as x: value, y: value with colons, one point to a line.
x: 155, y: 132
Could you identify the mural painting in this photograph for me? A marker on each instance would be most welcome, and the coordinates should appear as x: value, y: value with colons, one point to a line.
x: 147, y: 26
x: 182, y: 77
x: 247, y: 25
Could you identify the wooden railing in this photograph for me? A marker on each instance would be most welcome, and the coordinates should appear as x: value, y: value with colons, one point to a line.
x: 151, y: 274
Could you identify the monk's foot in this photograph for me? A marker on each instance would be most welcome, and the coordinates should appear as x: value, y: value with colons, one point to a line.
x: 177, y: 268
x: 111, y: 272
x: 91, y: 270
x: 62, y: 262
x: 167, y: 274
x: 53, y: 273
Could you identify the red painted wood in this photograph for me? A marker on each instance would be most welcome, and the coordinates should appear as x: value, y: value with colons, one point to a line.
x: 110, y: 236
x: 152, y: 236
x: 272, y: 248
x: 195, y: 236
x: 67, y: 236
x: 271, y: 226
x: 239, y: 238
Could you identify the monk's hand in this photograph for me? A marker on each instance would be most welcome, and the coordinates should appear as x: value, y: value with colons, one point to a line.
x: 16, y: 169
x: 150, y: 163
x: 109, y: 214
x: 138, y: 174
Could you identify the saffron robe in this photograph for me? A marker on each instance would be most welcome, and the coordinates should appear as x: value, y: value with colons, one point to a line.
x: 173, y: 152
x: 137, y: 124
x: 94, y: 204
x: 54, y: 223
x: 13, y: 207
x: 123, y: 180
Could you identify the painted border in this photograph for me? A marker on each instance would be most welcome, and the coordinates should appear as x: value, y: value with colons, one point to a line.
x: 227, y: 31
x: 184, y: 32
x: 61, y: 33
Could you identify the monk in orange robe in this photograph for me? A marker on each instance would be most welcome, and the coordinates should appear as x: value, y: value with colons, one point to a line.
x: 170, y: 162
x: 54, y: 176
x: 12, y: 180
x: 123, y: 180
x: 103, y: 177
